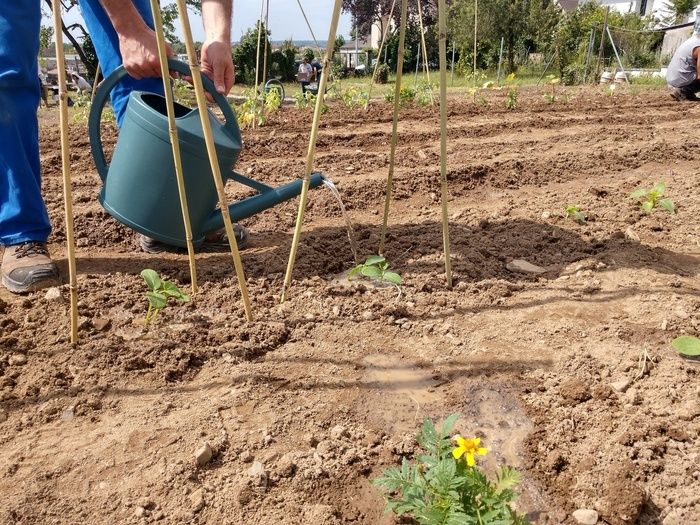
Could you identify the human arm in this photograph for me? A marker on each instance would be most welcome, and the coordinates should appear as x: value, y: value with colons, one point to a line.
x: 137, y: 41
x: 216, y: 59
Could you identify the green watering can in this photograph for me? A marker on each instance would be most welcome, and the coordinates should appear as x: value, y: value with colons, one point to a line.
x: 139, y: 186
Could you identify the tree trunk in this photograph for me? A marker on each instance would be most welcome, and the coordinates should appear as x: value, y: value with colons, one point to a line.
x: 89, y: 65
x: 510, y: 40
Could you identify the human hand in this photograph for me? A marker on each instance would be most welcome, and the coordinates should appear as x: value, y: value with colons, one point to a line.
x: 218, y: 65
x: 139, y: 51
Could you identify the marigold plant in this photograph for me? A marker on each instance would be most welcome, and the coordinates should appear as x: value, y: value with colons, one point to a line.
x: 445, y: 485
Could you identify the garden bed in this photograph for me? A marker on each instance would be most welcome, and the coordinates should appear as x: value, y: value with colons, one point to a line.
x: 567, y: 375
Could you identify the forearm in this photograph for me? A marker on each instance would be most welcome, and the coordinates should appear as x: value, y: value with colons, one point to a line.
x: 124, y: 16
x: 216, y: 15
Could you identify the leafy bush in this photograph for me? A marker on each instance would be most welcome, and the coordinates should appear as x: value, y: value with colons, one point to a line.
x: 382, y: 76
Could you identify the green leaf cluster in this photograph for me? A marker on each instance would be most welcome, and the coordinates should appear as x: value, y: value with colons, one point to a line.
x: 376, y: 267
x: 573, y: 211
x: 159, y: 291
x: 650, y: 198
x: 687, y: 345
x: 437, y: 489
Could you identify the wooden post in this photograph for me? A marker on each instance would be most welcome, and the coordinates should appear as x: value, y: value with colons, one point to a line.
x: 320, y: 101
x: 395, y: 125
x: 257, y: 58
x: 65, y: 164
x: 442, y: 24
x: 602, y: 44
x: 211, y: 150
x: 174, y: 141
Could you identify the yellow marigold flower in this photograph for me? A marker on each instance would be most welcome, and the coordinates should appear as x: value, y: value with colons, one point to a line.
x: 468, y: 448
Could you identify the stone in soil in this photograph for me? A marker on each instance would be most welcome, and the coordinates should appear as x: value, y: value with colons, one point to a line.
x: 258, y: 474
x: 18, y: 360
x: 585, y: 517
x: 203, y: 455
x: 523, y: 266
x: 197, y: 500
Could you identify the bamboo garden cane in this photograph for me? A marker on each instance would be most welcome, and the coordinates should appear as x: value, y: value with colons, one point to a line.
x: 211, y: 150
x: 476, y: 26
x: 65, y: 162
x: 267, y: 26
x: 426, y: 69
x: 442, y: 24
x: 303, y: 13
x: 95, y: 84
x: 174, y: 141
x: 257, y: 57
x: 320, y: 101
x: 395, y: 125
x: 379, y: 54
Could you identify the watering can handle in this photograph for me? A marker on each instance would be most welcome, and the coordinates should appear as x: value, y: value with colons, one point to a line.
x: 104, y: 90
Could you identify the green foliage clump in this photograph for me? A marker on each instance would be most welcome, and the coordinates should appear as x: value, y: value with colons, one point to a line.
x: 382, y: 75
x: 406, y: 95
x: 159, y: 291
x: 573, y: 211
x: 376, y: 267
x: 650, y: 198
x: 354, y: 97
x: 445, y: 486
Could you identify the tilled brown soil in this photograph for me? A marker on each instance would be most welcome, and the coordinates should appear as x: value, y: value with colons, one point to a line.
x: 568, y: 375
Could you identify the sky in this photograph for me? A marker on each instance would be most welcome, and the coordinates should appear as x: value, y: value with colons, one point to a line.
x: 285, y: 18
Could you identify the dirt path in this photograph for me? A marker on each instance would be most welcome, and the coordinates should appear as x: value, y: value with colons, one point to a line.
x: 567, y: 375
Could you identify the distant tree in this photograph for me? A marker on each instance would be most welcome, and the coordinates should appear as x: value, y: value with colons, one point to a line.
x: 45, y: 38
x: 680, y: 9
x: 339, y: 42
x: 308, y: 54
x: 245, y: 54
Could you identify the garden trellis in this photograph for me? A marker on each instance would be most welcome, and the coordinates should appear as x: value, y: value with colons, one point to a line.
x: 214, y: 163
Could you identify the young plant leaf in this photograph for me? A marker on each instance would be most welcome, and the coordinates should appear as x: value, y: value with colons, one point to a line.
x: 638, y: 194
x: 371, y: 271
x: 374, y: 259
x: 392, y: 277
x: 687, y: 345
x: 157, y: 300
x: 667, y: 204
x: 171, y: 290
x: 647, y: 206
x: 152, y: 279
x: 659, y: 188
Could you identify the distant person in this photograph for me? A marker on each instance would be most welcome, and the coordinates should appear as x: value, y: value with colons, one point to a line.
x: 305, y: 74
x: 82, y: 84
x: 44, y: 90
x: 683, y: 75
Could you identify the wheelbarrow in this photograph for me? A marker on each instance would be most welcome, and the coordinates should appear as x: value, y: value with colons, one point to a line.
x: 139, y: 187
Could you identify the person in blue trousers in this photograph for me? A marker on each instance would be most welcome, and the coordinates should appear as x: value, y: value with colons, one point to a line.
x: 122, y: 33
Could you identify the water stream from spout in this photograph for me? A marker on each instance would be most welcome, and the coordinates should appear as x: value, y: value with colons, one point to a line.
x: 351, y: 233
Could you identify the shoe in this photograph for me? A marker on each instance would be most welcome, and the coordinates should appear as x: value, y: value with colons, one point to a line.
x: 27, y: 267
x: 680, y: 95
x: 213, y: 241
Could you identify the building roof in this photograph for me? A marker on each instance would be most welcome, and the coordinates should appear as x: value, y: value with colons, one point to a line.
x: 350, y: 46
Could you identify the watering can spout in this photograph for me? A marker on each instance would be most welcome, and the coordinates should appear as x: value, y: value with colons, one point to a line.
x: 266, y: 198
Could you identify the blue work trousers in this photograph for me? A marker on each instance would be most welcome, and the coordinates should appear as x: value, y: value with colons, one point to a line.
x: 23, y: 215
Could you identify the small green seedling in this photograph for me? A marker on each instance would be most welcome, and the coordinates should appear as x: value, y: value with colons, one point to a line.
x: 376, y: 267
x: 159, y: 291
x: 649, y: 199
x: 552, y: 81
x: 512, y: 96
x: 573, y: 211
x: 687, y: 345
